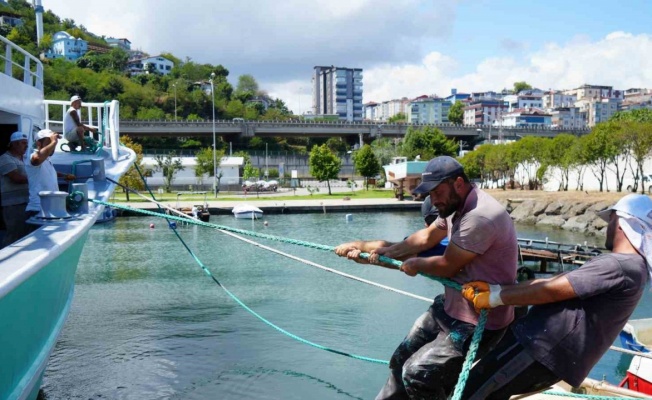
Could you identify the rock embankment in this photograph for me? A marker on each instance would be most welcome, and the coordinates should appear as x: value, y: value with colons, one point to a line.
x: 578, y: 216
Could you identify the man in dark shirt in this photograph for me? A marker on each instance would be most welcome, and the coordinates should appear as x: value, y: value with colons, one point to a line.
x: 575, y: 316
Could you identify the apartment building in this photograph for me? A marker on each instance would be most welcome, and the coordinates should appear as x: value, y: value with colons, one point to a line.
x: 428, y: 110
x: 484, y: 112
x: 337, y: 90
x: 567, y: 118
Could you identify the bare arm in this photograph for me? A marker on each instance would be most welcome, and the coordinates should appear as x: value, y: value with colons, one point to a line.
x: 364, y: 246
x: 538, y: 291
x: 75, y: 117
x: 447, y: 265
x: 42, y: 154
x: 16, y: 177
x: 419, y: 241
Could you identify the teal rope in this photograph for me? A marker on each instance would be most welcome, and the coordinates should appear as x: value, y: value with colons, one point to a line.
x: 243, y: 305
x: 477, y: 335
x: 580, y: 396
x: 470, y: 356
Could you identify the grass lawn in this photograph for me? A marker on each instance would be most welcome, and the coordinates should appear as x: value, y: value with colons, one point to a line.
x: 120, y: 197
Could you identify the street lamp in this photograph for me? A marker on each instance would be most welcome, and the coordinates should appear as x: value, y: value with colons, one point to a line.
x: 214, y: 156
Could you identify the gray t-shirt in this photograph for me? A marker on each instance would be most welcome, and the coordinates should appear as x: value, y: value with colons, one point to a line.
x: 12, y: 193
x: 569, y: 337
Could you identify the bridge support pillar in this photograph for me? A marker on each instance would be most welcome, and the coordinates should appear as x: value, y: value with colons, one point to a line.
x: 361, y: 139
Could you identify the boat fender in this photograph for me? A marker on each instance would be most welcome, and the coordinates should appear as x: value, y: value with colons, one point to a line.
x: 151, y: 226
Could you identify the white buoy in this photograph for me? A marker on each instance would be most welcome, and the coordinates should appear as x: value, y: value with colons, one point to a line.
x: 266, y: 223
x: 349, y: 217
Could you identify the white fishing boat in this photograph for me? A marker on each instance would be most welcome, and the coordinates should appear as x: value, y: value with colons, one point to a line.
x: 247, y: 211
x: 404, y: 174
x: 37, y: 272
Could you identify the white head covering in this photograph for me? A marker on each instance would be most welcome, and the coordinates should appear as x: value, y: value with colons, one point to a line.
x: 635, y: 212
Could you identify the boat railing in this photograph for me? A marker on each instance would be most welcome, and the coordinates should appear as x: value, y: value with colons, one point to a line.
x: 31, y: 67
x: 104, y: 116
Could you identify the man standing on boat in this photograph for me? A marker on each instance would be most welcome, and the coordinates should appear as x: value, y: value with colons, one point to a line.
x: 15, y: 191
x: 482, y: 244
x: 575, y: 316
x: 40, y: 171
x: 73, y: 128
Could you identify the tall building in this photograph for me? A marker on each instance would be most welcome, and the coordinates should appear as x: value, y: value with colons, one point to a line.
x: 338, y: 91
x: 428, y: 110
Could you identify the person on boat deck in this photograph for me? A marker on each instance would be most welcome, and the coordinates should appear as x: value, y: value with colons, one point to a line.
x: 40, y: 171
x: 482, y: 244
x: 15, y: 191
x: 73, y: 128
x: 574, y: 317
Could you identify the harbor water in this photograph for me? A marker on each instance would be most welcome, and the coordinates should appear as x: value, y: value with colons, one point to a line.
x: 147, y: 323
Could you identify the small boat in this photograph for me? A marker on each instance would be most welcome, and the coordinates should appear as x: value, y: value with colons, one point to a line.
x: 637, y: 336
x: 246, y: 211
x: 197, y: 211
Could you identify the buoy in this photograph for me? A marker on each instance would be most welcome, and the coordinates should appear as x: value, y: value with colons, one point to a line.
x: 151, y: 226
x: 349, y: 217
x: 266, y: 223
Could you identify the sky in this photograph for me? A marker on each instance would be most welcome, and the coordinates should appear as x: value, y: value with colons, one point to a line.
x: 406, y: 48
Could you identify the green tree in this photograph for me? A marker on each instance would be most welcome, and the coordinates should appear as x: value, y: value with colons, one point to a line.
x: 247, y: 86
x: 337, y: 145
x: 639, y: 137
x: 522, y: 85
x: 559, y: 154
x: 250, y: 172
x: 204, y: 163
x: 384, y: 149
x: 324, y: 165
x: 132, y: 178
x: 456, y: 113
x: 398, y: 118
x: 600, y: 150
x: 366, y: 163
x: 169, y: 166
x: 427, y: 142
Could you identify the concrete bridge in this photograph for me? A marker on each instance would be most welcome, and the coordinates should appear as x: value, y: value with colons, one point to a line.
x: 363, y: 130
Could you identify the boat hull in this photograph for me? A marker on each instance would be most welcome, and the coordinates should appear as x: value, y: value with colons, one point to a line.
x: 32, y: 316
x: 248, y: 215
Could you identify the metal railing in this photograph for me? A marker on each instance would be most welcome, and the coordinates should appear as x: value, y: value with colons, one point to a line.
x: 31, y: 67
x: 94, y: 116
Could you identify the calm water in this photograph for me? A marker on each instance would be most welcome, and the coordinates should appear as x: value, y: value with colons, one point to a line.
x: 147, y: 323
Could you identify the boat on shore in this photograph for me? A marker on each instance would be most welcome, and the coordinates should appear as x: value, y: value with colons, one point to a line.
x: 197, y: 211
x: 404, y: 174
x: 37, y: 272
x: 247, y: 211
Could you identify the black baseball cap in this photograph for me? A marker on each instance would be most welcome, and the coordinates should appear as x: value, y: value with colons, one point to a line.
x: 438, y: 169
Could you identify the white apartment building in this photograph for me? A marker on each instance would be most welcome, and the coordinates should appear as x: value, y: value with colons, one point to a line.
x: 337, y: 91
x: 523, y: 117
x: 370, y: 111
x: 484, y: 112
x: 586, y: 92
x: 556, y: 98
x: 568, y: 118
x: 428, y: 110
x: 596, y: 111
x: 397, y: 106
x: 159, y: 64
x: 515, y: 102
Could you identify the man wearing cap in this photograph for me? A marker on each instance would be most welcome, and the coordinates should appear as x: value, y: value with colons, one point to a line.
x: 40, y: 171
x: 482, y: 244
x: 15, y: 191
x: 72, y: 127
x: 574, y: 317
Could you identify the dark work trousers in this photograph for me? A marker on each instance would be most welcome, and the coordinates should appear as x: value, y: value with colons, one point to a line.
x: 427, y: 363
x: 505, y: 371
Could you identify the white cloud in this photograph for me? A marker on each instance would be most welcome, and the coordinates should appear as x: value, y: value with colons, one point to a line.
x: 619, y: 59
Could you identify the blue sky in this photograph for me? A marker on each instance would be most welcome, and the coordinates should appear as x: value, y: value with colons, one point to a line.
x: 406, y: 47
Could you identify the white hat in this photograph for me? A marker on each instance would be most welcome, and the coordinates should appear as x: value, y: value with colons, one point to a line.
x: 74, y: 99
x: 16, y: 136
x: 637, y: 205
x: 44, y: 134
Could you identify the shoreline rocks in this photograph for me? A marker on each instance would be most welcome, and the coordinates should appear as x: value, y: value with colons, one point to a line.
x: 568, y: 215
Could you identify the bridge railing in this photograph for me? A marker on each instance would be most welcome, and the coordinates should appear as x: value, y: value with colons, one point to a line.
x: 375, y: 126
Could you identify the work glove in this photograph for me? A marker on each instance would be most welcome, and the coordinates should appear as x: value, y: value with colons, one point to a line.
x: 482, y: 295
